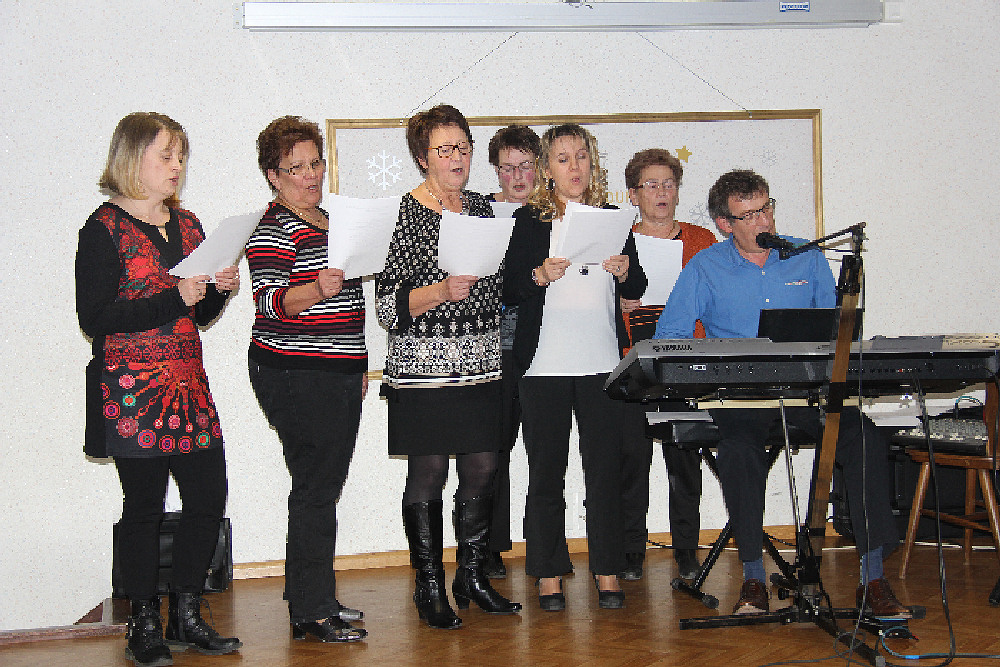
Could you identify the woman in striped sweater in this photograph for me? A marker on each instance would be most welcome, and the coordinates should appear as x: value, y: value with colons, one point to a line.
x: 307, y: 364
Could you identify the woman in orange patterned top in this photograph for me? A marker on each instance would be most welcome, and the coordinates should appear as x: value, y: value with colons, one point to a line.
x: 148, y: 401
x: 653, y: 178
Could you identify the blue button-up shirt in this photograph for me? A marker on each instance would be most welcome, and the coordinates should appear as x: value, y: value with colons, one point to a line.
x: 727, y: 292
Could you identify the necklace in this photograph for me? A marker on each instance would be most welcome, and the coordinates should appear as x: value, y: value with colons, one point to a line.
x: 316, y: 219
x: 673, y: 233
x: 461, y: 196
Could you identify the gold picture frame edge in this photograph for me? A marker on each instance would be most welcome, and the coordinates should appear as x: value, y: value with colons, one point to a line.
x: 814, y: 115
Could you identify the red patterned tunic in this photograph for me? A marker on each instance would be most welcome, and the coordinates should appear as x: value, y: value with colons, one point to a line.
x: 154, y: 397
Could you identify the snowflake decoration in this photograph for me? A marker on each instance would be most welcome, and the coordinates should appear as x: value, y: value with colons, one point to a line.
x: 769, y: 158
x: 699, y: 215
x: 389, y: 171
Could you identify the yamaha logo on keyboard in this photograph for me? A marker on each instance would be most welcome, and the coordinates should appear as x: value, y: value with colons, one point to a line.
x: 685, y: 347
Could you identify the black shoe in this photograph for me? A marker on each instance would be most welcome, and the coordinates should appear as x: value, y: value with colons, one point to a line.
x: 187, y: 629
x: 472, y: 522
x: 350, y: 615
x: 633, y: 566
x: 687, y: 563
x: 423, y: 525
x: 332, y: 629
x: 494, y: 567
x: 609, y: 599
x: 553, y: 601
x: 145, y: 644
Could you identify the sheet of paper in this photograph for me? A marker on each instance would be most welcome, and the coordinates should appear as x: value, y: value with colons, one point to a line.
x: 661, y: 260
x: 590, y: 235
x: 222, y: 248
x: 360, y: 232
x: 504, y: 209
x: 471, y: 246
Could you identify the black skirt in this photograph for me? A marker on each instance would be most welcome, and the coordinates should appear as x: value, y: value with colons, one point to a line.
x: 444, y: 420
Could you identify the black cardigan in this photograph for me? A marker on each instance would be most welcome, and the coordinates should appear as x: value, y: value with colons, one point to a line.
x: 528, y: 248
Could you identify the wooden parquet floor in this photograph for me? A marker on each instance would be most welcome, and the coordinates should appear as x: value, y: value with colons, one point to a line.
x: 646, y: 633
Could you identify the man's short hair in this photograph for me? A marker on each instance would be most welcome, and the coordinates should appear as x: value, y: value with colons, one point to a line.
x: 743, y: 183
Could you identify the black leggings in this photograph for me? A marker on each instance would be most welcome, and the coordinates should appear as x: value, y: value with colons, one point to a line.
x: 426, y: 476
x: 201, y: 480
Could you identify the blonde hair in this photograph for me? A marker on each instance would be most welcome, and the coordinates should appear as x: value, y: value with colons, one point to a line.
x: 542, y: 197
x: 133, y: 135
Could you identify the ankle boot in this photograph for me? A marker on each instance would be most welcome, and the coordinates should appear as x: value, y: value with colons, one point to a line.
x: 187, y: 629
x: 423, y: 525
x: 145, y: 644
x: 472, y: 521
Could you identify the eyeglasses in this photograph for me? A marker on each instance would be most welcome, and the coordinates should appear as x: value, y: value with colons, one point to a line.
x: 317, y: 165
x: 668, y: 185
x: 445, y: 150
x: 766, y: 209
x: 524, y: 167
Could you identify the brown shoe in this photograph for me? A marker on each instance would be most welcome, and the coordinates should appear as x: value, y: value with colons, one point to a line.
x: 880, y: 601
x: 753, y: 598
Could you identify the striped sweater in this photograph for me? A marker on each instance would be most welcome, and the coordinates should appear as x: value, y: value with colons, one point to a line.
x: 284, y: 252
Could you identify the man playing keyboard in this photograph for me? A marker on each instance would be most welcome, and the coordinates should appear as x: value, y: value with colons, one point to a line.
x: 726, y: 286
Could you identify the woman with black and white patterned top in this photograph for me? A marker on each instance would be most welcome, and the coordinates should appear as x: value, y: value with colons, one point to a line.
x: 442, y: 373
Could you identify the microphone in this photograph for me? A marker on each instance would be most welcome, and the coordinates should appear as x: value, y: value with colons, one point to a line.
x: 767, y: 240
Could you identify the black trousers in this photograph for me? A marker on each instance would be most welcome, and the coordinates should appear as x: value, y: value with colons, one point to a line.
x: 500, y: 519
x: 742, y: 460
x: 683, y: 478
x: 316, y: 414
x: 201, y: 480
x: 547, y: 408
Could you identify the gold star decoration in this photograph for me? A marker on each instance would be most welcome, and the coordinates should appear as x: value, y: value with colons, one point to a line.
x: 683, y: 153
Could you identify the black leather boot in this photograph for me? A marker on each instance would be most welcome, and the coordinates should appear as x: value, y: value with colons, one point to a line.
x: 187, y: 629
x: 472, y: 522
x: 423, y: 525
x: 145, y: 644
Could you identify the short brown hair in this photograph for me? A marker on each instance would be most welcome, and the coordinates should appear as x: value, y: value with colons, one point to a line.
x: 279, y: 138
x: 420, y: 126
x: 649, y: 158
x: 518, y: 137
x: 742, y: 183
x: 133, y: 135
x: 596, y: 193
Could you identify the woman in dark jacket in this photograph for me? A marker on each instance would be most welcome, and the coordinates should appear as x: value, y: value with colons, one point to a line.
x: 559, y: 380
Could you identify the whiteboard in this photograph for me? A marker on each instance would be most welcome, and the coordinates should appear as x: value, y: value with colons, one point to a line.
x: 369, y: 158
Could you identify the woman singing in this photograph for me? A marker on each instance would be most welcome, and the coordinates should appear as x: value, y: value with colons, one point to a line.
x: 148, y: 402
x: 442, y: 374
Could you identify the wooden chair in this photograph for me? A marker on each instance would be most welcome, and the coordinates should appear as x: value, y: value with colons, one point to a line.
x: 978, y: 515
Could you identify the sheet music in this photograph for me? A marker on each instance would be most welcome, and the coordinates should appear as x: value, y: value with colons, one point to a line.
x: 661, y: 261
x: 590, y: 235
x: 472, y: 246
x: 504, y: 209
x: 221, y: 249
x: 360, y: 232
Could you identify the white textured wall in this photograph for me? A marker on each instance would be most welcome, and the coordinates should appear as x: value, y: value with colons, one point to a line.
x: 909, y: 144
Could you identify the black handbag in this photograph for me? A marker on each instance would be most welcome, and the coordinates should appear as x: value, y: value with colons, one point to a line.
x: 220, y: 570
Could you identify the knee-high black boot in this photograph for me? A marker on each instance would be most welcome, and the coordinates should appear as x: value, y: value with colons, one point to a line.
x: 145, y: 644
x: 472, y: 522
x: 423, y: 525
x: 186, y: 628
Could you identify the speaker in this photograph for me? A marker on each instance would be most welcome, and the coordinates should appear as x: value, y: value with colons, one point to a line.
x: 904, y: 474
